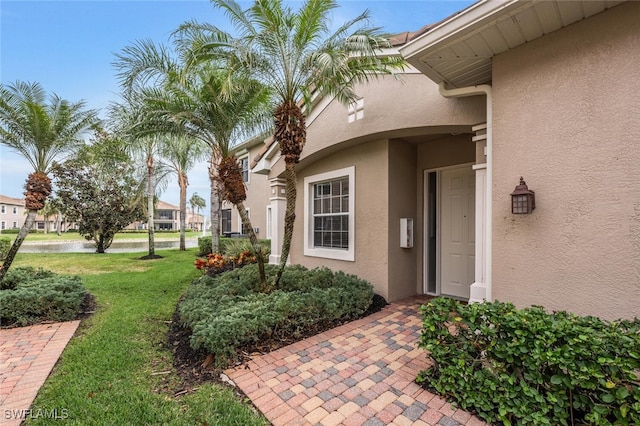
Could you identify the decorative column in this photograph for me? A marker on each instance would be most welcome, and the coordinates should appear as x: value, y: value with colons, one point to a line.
x: 478, y: 291
x: 278, y: 202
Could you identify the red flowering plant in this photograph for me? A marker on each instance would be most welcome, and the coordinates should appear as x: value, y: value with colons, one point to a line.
x: 216, y: 263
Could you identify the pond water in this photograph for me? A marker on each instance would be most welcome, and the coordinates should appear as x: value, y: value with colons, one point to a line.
x: 129, y: 246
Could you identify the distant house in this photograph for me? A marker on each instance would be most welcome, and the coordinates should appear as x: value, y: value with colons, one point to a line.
x: 167, y: 218
x: 411, y: 186
x: 12, y: 212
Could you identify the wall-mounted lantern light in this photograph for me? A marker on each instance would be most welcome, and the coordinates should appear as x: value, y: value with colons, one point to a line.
x: 523, y: 200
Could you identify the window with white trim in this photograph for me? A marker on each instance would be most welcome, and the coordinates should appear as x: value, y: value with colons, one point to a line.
x: 15, y: 210
x: 15, y: 225
x: 355, y: 110
x: 244, y: 166
x: 4, y: 209
x: 226, y: 221
x: 330, y: 214
x: 269, y: 222
x: 4, y: 225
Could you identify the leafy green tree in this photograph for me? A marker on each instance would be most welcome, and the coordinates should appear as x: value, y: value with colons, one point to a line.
x: 180, y: 154
x: 102, y: 197
x: 296, y: 54
x: 42, y: 131
x: 210, y: 102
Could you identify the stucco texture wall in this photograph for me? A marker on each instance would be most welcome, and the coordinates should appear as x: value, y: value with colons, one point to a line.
x: 371, y: 221
x: 567, y: 119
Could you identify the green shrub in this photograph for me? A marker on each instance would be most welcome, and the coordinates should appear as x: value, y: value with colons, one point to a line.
x: 16, y: 231
x: 23, y: 275
x: 5, y: 245
x: 228, y: 312
x: 530, y: 367
x: 33, y: 295
x: 229, y: 246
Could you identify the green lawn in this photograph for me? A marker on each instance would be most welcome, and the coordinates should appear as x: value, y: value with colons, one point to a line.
x: 74, y: 236
x: 105, y: 375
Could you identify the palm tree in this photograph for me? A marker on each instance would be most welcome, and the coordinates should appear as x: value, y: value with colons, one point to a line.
x: 180, y: 154
x: 197, y: 202
x: 42, y: 132
x: 209, y: 102
x: 144, y: 147
x: 47, y: 211
x: 297, y: 55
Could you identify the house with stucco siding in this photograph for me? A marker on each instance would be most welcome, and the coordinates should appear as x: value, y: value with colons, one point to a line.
x: 411, y: 186
x: 12, y: 212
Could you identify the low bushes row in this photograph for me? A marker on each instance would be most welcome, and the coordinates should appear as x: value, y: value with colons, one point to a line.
x: 531, y: 367
x: 29, y: 296
x: 228, y: 312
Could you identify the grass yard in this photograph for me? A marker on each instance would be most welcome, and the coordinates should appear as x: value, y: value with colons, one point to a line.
x: 106, y: 373
x: 74, y: 236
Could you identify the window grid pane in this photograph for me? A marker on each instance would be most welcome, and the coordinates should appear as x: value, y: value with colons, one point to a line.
x: 331, y: 214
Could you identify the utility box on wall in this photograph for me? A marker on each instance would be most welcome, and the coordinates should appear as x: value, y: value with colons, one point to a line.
x: 406, y: 232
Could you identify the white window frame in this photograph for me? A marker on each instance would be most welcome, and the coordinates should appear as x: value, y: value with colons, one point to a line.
x: 269, y: 222
x: 242, y: 170
x: 3, y: 209
x: 15, y: 225
x: 329, y: 253
x: 15, y: 210
x: 3, y: 225
x: 355, y: 110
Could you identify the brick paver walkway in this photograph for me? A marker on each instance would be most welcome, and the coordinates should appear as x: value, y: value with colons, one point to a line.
x: 27, y: 355
x: 361, y: 373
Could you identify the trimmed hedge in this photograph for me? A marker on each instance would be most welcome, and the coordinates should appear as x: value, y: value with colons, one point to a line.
x: 228, y: 312
x: 529, y: 367
x: 30, y: 296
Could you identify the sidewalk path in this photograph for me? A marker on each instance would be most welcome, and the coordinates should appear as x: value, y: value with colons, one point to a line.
x: 361, y: 373
x: 27, y: 356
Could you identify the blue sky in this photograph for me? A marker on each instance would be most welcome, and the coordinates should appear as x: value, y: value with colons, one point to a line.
x: 69, y: 46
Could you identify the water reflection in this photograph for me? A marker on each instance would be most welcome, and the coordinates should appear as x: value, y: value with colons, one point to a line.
x: 89, y: 247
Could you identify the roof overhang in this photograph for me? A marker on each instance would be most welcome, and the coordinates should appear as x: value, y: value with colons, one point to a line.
x: 459, y: 50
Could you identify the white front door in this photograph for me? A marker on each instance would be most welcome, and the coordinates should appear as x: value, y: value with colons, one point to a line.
x: 457, y: 227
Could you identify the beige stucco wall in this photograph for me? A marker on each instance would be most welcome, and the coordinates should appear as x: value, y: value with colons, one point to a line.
x: 407, y: 127
x: 405, y: 107
x: 371, y: 198
x: 402, y: 277
x: 567, y: 118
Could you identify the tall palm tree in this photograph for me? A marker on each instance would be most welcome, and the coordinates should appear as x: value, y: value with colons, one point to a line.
x: 145, y: 148
x: 42, y: 132
x: 209, y: 102
x: 47, y: 211
x: 197, y: 202
x: 180, y: 154
x: 297, y: 55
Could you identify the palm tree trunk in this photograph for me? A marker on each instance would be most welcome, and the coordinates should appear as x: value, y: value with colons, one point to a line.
x: 215, y: 206
x: 24, y: 231
x: 183, y: 182
x: 150, y: 212
x: 289, y: 217
x: 59, y: 224
x: 257, y: 250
